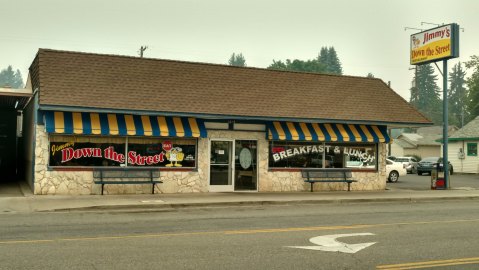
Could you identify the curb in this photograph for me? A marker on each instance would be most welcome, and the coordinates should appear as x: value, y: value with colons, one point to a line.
x: 166, y: 207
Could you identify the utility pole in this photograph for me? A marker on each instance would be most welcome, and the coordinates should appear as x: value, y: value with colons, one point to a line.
x: 142, y: 49
x: 389, y: 131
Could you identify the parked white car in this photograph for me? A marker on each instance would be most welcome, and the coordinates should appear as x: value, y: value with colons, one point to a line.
x: 410, y: 163
x: 394, y: 170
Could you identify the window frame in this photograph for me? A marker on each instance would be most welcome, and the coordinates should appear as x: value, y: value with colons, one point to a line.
x: 469, y: 150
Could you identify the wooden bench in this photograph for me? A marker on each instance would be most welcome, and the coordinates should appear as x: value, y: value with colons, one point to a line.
x: 109, y: 176
x: 341, y: 175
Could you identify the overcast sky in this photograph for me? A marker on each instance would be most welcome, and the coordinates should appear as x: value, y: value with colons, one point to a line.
x: 369, y: 36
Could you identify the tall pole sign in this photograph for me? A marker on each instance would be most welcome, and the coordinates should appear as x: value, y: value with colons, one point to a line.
x: 436, y: 44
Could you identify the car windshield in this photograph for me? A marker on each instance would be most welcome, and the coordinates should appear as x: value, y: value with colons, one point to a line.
x: 430, y: 159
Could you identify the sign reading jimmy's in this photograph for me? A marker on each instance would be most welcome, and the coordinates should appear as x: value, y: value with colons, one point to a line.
x: 435, y: 44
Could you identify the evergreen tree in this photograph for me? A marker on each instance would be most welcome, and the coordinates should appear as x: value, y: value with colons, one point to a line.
x: 425, y: 94
x: 473, y: 86
x: 457, y: 96
x: 9, y: 78
x: 334, y: 65
x: 323, y: 56
x: 329, y: 58
x: 237, y: 60
x: 370, y: 75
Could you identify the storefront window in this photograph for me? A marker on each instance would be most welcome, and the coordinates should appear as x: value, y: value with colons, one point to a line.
x: 89, y: 151
x: 173, y: 153
x: 322, y: 155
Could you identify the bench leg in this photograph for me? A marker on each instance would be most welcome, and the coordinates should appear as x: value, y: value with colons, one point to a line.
x: 102, y: 188
x: 349, y: 186
x: 312, y: 186
x: 153, y: 188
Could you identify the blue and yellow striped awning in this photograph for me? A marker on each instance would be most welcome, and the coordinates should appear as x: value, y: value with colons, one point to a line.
x: 123, y: 124
x: 291, y: 131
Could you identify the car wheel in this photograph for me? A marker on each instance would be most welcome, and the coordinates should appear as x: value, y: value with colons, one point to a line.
x: 419, y: 173
x: 393, y: 176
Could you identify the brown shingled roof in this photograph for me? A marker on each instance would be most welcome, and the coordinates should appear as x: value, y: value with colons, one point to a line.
x: 113, y: 82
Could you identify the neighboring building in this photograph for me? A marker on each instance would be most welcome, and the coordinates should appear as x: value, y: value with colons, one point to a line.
x: 424, y: 143
x: 409, y: 144
x: 206, y: 127
x: 12, y: 101
x: 462, y: 148
x: 435, y: 130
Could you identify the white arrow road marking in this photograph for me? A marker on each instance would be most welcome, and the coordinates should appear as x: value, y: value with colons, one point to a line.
x: 329, y: 243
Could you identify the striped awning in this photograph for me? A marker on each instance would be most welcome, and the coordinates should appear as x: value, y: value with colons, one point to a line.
x: 122, y: 124
x: 291, y: 131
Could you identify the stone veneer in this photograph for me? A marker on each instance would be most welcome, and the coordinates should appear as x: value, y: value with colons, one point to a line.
x: 78, y: 182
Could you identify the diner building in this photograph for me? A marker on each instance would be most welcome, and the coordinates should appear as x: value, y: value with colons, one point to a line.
x: 204, y: 127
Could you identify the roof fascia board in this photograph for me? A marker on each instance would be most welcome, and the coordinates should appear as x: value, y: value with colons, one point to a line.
x: 463, y: 139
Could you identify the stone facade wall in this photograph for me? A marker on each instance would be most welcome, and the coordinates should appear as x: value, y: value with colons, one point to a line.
x: 57, y: 182
x: 74, y: 182
x: 78, y: 182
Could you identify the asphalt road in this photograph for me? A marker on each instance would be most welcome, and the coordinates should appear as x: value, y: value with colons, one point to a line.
x: 404, y: 236
x: 423, y: 182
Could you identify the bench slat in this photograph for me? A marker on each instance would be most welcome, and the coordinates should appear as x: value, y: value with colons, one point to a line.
x: 338, y: 175
x: 126, y: 173
x: 128, y: 182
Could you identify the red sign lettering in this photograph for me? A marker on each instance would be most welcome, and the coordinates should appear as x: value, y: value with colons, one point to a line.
x: 167, y: 145
x: 134, y: 158
x: 69, y: 153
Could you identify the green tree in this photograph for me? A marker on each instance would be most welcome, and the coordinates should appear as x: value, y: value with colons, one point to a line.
x: 326, y: 62
x: 329, y: 58
x: 323, y: 56
x: 473, y: 86
x: 457, y: 96
x: 299, y: 65
x: 334, y: 65
x: 370, y: 75
x: 11, y: 78
x: 278, y: 65
x: 425, y: 93
x: 237, y: 60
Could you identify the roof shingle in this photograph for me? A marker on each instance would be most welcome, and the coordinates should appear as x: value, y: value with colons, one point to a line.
x: 470, y: 130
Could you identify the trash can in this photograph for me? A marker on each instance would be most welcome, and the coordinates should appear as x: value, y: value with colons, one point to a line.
x: 437, y: 177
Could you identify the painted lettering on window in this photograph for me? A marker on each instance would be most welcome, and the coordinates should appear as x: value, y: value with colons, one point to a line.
x: 311, y: 149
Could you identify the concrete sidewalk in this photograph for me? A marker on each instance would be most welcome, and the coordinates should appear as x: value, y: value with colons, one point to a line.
x: 164, y: 202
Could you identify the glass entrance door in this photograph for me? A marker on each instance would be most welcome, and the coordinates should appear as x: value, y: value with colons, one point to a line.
x: 221, y: 169
x: 246, y: 173
x: 233, y: 165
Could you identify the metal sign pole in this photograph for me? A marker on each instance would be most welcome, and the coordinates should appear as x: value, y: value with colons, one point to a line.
x: 445, y: 127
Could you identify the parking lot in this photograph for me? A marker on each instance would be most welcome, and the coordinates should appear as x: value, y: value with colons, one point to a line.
x: 423, y: 182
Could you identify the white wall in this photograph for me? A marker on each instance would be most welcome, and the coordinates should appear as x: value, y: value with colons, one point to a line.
x: 470, y: 164
x: 396, y: 150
